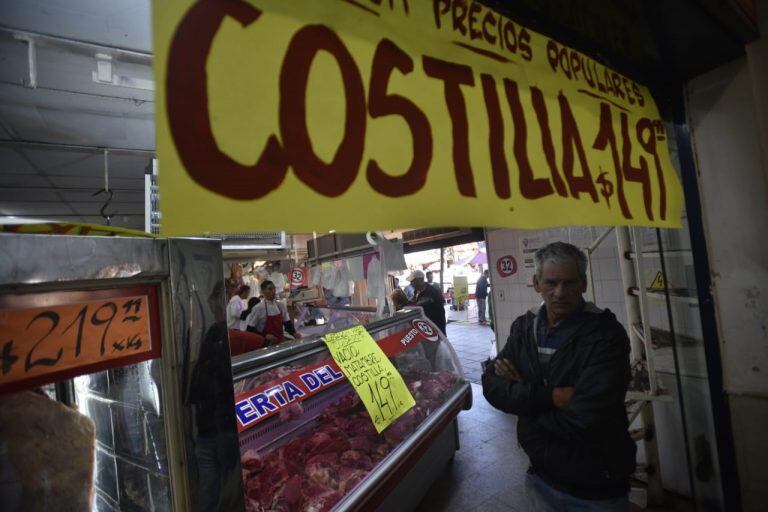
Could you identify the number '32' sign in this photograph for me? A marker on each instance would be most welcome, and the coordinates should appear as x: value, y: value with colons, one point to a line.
x: 506, y: 266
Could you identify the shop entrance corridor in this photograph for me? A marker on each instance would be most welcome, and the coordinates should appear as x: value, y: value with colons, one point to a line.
x: 488, y: 471
x: 472, y: 343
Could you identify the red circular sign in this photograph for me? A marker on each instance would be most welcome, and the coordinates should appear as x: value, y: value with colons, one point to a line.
x: 506, y: 265
x: 298, y: 277
x: 426, y: 329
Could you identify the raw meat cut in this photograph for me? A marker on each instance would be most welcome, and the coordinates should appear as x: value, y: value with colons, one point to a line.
x: 51, y: 449
x: 314, y: 471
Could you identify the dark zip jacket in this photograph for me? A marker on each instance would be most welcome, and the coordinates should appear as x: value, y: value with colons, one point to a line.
x: 433, y: 303
x: 584, y: 449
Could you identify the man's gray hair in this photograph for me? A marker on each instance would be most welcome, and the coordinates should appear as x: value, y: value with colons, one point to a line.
x: 560, y: 252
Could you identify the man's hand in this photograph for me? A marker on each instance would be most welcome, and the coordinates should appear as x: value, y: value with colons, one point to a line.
x: 506, y: 370
x: 562, y: 396
x: 270, y: 338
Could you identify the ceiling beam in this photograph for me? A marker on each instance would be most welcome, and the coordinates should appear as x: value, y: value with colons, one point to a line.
x: 72, y: 147
x: 76, y: 43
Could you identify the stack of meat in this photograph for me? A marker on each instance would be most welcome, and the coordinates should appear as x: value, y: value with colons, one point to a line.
x: 311, y: 473
x: 271, y: 375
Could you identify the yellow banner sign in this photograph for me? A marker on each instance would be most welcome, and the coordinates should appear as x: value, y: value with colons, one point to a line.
x: 381, y: 388
x: 359, y: 115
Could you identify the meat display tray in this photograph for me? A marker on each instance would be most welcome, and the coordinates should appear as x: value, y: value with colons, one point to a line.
x: 325, y: 454
x: 273, y: 433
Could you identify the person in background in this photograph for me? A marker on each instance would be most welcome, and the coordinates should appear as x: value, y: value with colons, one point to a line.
x: 399, y: 299
x: 271, y: 320
x: 565, y: 372
x: 410, y: 291
x: 252, y: 303
x: 481, y: 294
x: 430, y: 282
x: 428, y: 298
x: 210, y: 392
x: 235, y: 308
x: 235, y: 280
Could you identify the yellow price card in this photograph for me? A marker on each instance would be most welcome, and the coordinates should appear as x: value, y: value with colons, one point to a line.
x: 377, y: 382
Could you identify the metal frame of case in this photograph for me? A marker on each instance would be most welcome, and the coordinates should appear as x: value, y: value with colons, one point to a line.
x: 189, y: 281
x: 187, y: 274
x: 404, y: 476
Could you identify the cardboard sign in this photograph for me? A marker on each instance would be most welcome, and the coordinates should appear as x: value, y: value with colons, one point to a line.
x: 256, y: 405
x: 346, y: 109
x: 381, y: 388
x: 506, y: 266
x: 460, y: 290
x: 66, y: 337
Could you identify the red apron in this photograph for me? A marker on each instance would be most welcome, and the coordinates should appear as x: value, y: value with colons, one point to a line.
x: 241, y: 342
x: 273, y: 324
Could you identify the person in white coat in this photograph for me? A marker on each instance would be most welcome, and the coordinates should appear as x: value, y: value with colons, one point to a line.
x: 270, y: 317
x: 237, y: 304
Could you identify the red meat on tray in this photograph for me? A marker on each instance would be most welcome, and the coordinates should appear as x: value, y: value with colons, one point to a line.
x: 362, y: 443
x: 324, y: 458
x: 324, y: 474
x: 321, y: 503
x: 356, y: 459
x: 313, y: 472
x: 349, y: 478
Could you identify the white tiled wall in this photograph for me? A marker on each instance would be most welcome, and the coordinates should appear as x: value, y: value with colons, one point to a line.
x: 514, y: 295
x: 512, y: 298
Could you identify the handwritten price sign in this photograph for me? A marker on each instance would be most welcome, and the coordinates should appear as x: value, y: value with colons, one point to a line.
x: 70, y: 337
x: 381, y: 388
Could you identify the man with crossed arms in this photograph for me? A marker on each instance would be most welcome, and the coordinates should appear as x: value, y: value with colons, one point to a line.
x: 564, y: 372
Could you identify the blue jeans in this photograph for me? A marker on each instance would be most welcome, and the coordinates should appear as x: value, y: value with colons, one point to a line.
x: 480, y: 309
x: 544, y: 498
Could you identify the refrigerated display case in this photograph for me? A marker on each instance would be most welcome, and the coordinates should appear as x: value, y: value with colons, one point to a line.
x: 317, y: 320
x: 307, y: 442
x: 82, y: 424
x: 310, y: 322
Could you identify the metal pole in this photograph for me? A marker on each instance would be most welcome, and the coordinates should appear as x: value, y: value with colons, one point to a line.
x: 442, y: 266
x: 638, y: 347
x: 589, y: 250
x: 600, y: 239
x: 591, y: 277
x: 106, y: 169
x: 73, y: 147
x: 678, y: 378
x: 629, y: 281
x: 643, y: 301
x: 77, y: 43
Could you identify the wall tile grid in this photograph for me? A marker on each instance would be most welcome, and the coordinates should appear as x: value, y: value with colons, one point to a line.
x: 513, y: 295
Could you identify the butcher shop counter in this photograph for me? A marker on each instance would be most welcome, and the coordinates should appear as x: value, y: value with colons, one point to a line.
x: 312, y: 322
x: 307, y: 442
x: 317, y: 320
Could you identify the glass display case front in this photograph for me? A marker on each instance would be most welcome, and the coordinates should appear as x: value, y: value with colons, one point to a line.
x: 315, y: 321
x: 306, y: 440
x: 131, y: 457
x: 116, y: 379
x: 311, y: 323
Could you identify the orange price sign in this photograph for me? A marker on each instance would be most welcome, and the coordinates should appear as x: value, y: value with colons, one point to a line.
x: 49, y: 337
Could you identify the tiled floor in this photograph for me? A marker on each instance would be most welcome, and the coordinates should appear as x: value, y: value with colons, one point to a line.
x: 487, y: 472
x: 472, y: 343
